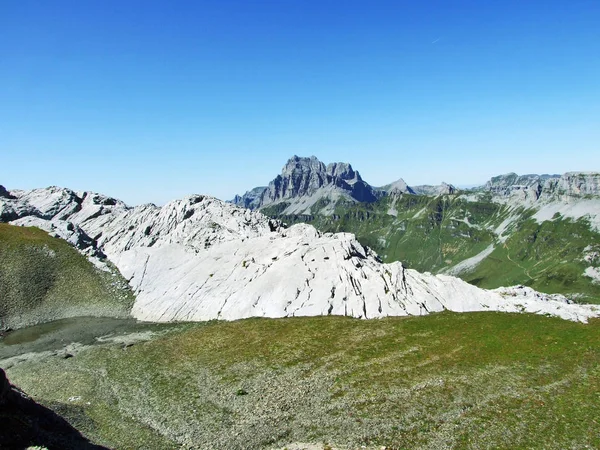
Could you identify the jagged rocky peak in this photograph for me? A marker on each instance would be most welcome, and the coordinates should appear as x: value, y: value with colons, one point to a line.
x: 301, y: 164
x: 300, y: 176
x: 303, y: 177
x: 343, y: 171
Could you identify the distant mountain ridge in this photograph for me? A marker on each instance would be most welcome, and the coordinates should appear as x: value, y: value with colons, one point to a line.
x: 306, y: 181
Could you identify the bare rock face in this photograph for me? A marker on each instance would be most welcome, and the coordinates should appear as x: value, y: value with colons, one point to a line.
x: 545, y: 187
x: 251, y: 199
x: 301, y: 272
x: 302, y: 177
x: 519, y: 187
x: 299, y: 177
x: 574, y: 184
x: 199, y: 258
x: 434, y: 191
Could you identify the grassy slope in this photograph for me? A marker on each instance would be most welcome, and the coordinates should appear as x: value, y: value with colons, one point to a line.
x: 481, y: 380
x: 43, y: 278
x: 424, y: 235
x: 430, y: 234
x: 546, y: 256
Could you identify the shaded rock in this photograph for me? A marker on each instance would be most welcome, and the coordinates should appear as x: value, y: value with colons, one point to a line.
x: 303, y: 178
x: 4, y: 193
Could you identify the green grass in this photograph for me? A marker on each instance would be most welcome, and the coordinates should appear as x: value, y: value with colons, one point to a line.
x: 43, y: 278
x: 547, y: 256
x: 479, y: 380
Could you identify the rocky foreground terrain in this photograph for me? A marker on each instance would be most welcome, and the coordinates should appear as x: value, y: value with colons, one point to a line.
x: 199, y: 258
x: 442, y: 381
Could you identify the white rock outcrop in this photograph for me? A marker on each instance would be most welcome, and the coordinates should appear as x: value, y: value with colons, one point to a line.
x: 199, y: 258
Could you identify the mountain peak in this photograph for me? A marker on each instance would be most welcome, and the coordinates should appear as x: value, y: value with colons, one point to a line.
x: 398, y: 187
x: 343, y: 171
x: 304, y: 181
x: 303, y: 164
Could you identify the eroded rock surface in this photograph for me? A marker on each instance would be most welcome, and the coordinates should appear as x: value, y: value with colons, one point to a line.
x: 199, y: 258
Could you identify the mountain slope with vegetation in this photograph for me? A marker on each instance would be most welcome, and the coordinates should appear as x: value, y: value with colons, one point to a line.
x: 43, y: 278
x: 485, y: 243
x: 478, y: 380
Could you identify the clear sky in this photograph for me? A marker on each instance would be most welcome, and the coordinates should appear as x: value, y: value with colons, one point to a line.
x: 149, y: 101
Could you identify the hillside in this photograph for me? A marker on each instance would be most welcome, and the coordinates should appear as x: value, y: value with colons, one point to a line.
x: 479, y: 380
x: 486, y: 243
x: 43, y: 278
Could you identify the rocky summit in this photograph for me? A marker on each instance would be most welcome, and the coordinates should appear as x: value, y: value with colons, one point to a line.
x: 199, y: 258
x: 309, y: 180
x: 308, y: 186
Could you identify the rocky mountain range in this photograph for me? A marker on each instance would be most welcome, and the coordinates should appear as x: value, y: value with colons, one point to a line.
x: 537, y: 230
x: 305, y: 183
x: 307, y: 186
x: 199, y: 258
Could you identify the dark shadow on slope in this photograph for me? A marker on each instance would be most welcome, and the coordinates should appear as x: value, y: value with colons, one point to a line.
x: 25, y: 423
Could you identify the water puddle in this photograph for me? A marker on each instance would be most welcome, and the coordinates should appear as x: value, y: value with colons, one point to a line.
x: 84, y: 331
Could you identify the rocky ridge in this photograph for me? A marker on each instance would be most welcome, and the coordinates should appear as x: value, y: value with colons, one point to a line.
x: 309, y: 178
x: 306, y: 182
x: 199, y: 258
x: 543, y: 187
x: 573, y: 195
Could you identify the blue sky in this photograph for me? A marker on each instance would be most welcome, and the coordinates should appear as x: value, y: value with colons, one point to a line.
x: 149, y: 101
